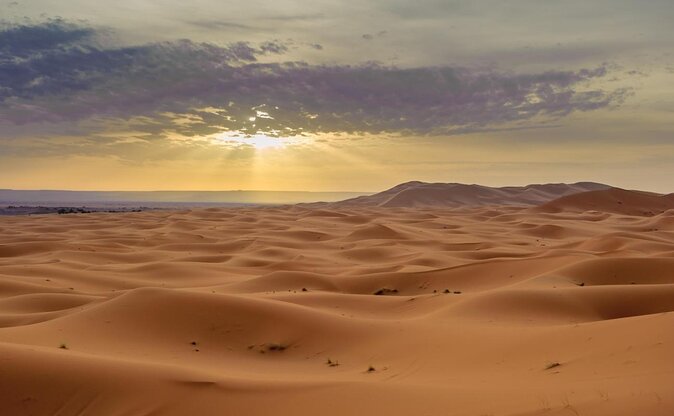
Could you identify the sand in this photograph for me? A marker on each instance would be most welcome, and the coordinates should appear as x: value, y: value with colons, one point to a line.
x: 454, y: 195
x: 613, y: 200
x: 257, y: 311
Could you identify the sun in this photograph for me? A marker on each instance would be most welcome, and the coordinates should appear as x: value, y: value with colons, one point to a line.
x: 257, y: 141
x: 260, y: 141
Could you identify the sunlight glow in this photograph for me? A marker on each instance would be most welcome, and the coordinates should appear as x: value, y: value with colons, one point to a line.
x: 257, y: 141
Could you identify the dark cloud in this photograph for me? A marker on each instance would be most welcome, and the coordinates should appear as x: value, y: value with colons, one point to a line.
x: 22, y: 41
x: 217, y: 24
x: 195, y: 89
x: 273, y: 47
x: 370, y: 36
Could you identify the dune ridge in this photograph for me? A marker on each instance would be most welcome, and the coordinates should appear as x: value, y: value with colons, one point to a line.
x: 423, y: 194
x: 342, y: 310
x: 613, y: 200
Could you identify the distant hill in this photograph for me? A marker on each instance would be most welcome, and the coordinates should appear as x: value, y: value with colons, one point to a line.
x: 613, y: 200
x: 422, y: 194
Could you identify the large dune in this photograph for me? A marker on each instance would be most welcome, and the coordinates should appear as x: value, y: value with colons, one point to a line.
x: 495, y: 310
x: 422, y: 194
x: 614, y: 200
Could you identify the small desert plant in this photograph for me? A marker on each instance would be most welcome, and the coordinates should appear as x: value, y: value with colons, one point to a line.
x: 385, y: 291
x: 371, y: 369
x: 331, y: 363
x: 63, y: 346
x: 552, y: 365
x: 277, y: 347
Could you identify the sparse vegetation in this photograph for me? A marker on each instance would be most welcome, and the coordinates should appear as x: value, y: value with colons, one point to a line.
x: 276, y: 347
x: 385, y: 291
x: 331, y: 363
x: 69, y: 210
x: 63, y: 346
x: 371, y: 369
x: 552, y: 365
x: 268, y: 347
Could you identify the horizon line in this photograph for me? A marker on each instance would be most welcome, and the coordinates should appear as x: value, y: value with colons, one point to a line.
x: 298, y: 191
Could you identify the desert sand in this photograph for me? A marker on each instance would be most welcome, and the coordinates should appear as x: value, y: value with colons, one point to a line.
x: 424, y: 195
x: 562, y: 309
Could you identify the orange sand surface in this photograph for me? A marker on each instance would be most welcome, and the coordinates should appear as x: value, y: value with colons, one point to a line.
x: 297, y: 311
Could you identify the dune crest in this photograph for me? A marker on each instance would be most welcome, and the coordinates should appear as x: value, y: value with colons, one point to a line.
x: 613, y: 200
x: 422, y: 194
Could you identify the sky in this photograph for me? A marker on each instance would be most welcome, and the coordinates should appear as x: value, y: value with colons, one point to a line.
x: 335, y: 95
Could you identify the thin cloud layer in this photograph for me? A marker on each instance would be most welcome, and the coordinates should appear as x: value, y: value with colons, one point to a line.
x: 56, y: 72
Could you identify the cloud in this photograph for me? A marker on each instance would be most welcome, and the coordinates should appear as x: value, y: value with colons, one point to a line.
x: 370, y: 36
x: 217, y: 24
x: 294, y: 17
x: 273, y: 47
x: 22, y: 41
x: 55, y: 73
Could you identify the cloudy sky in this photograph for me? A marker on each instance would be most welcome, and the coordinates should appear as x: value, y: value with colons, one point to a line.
x: 334, y: 94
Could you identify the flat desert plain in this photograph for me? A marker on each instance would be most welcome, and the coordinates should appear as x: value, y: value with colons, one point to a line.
x: 347, y: 311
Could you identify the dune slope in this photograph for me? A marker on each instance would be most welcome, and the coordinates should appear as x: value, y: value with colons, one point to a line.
x: 613, y: 200
x: 496, y: 310
x: 422, y: 194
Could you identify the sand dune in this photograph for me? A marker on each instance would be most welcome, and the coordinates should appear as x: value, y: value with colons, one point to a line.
x: 422, y: 194
x: 340, y: 310
x: 614, y: 200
